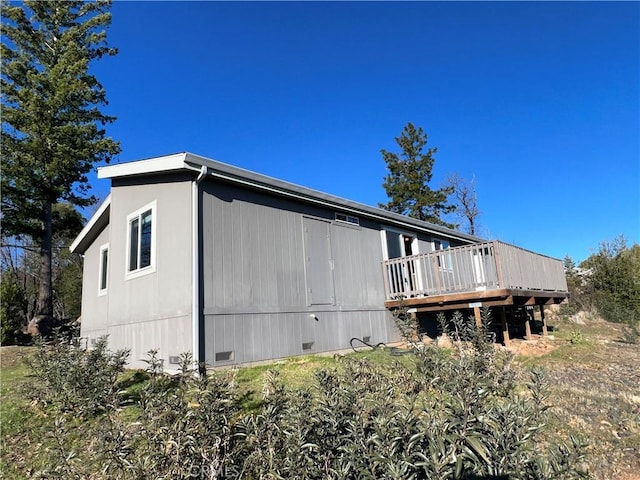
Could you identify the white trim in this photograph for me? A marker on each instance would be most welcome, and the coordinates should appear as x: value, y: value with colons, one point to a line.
x: 159, y: 164
x: 90, y: 224
x: 151, y: 268
x: 103, y: 291
x: 407, y: 233
x: 383, y: 240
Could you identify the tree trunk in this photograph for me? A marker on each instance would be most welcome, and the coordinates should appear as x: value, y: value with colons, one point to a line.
x: 45, y: 294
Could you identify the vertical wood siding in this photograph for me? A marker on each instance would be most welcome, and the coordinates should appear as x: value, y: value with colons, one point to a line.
x: 261, y: 253
x: 266, y: 336
x: 254, y: 253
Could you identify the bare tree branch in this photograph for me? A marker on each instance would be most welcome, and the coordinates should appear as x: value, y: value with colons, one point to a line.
x: 466, y: 201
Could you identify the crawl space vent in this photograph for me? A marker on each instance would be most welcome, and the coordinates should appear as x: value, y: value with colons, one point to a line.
x: 224, y: 356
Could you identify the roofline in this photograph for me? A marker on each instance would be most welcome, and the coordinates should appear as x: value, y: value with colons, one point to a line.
x: 95, y: 218
x: 165, y: 163
x: 231, y: 173
x: 235, y: 174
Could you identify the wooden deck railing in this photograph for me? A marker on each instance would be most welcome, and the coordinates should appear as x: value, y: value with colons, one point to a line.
x: 481, y: 266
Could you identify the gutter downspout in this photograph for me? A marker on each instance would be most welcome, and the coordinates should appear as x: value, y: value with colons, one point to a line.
x: 195, y: 267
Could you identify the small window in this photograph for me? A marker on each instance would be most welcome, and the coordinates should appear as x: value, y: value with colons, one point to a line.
x: 341, y: 217
x: 103, y: 269
x: 141, y: 240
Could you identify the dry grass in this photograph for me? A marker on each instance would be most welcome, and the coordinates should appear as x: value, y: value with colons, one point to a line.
x: 595, y: 389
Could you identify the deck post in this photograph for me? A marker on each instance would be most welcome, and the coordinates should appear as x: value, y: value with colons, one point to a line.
x: 544, y: 321
x: 496, y: 253
x: 385, y: 278
x: 436, y: 274
x: 476, y: 313
x: 527, y: 325
x: 505, y: 327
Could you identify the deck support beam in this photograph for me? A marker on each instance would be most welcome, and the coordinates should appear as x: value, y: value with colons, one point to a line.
x: 527, y: 325
x: 476, y: 313
x: 505, y: 327
x: 544, y: 321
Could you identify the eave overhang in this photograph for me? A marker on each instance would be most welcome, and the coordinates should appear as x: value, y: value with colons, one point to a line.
x: 92, y: 229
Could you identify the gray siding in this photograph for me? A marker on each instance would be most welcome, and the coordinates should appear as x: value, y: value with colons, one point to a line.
x: 254, y: 254
x: 276, y: 274
x: 151, y: 311
x: 317, y: 261
x: 357, y: 256
x: 269, y: 264
x: 257, y: 337
x: 94, y: 307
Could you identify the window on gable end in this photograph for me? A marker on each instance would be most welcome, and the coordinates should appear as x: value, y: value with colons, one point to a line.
x: 141, y: 241
x: 103, y: 269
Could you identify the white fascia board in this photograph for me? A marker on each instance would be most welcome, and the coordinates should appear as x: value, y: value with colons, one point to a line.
x: 140, y: 167
x: 91, y: 223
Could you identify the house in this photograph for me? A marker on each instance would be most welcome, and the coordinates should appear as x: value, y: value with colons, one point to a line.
x: 188, y: 254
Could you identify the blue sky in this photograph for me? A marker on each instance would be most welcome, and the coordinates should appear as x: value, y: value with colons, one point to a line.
x: 539, y: 101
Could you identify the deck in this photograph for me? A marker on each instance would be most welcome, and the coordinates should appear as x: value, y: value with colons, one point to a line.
x: 482, y: 274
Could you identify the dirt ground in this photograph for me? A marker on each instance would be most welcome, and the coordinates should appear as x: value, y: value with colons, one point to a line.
x: 594, y: 380
x: 532, y: 348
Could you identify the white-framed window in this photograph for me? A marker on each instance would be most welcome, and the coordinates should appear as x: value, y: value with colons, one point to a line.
x: 343, y: 217
x: 103, y: 269
x: 141, y: 241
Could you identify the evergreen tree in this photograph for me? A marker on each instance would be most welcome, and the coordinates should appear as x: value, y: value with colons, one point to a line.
x: 52, y: 126
x: 407, y: 183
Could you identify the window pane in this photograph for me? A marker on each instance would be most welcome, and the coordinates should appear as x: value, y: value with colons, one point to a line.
x: 103, y: 276
x: 394, y: 249
x: 133, y: 246
x: 145, y: 240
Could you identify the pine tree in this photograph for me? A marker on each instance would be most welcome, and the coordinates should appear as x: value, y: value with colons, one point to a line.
x: 407, y: 183
x: 52, y: 127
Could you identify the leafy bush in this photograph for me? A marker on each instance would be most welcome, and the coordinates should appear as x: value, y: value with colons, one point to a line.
x: 614, y: 281
x: 12, y: 298
x: 453, y: 414
x: 75, y: 379
x: 183, y: 429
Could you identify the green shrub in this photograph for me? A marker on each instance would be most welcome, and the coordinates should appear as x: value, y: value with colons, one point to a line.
x: 614, y: 281
x: 75, y: 379
x: 12, y: 299
x: 457, y: 414
x: 182, y: 430
x: 576, y: 337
